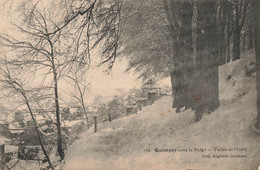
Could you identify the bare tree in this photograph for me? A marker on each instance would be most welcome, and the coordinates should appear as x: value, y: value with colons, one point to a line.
x: 39, y: 50
x: 100, y: 103
x: 115, y: 108
x: 15, y: 87
x: 77, y: 80
x: 54, y: 37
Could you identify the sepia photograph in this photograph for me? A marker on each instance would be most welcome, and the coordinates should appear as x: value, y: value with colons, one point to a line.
x: 130, y: 85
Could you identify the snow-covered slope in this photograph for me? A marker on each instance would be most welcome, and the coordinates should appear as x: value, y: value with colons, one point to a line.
x: 125, y: 143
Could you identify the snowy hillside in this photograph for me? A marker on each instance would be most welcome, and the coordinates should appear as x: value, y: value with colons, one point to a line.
x: 136, y: 142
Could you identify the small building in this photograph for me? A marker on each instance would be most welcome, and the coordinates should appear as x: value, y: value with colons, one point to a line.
x: 131, y: 109
x: 142, y: 102
x: 131, y: 105
x: 151, y: 91
x: 151, y: 88
x: 72, y: 112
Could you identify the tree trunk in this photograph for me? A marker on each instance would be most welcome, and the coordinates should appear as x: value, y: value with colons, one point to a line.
x: 187, y: 51
x: 244, y: 42
x: 175, y: 77
x: 206, y: 95
x: 250, y: 36
x: 59, y: 141
x: 58, y: 121
x: 86, y: 114
x: 256, y: 15
x: 228, y: 34
x: 221, y: 31
x: 109, y: 116
x: 228, y: 50
x: 182, y: 44
x: 56, y: 98
x: 236, y: 33
x: 95, y: 124
x: 236, y: 44
x: 240, y: 15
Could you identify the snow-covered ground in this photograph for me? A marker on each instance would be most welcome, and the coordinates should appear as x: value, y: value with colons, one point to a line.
x: 131, y: 142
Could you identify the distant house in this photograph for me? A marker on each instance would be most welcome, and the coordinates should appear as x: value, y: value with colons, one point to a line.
x: 131, y: 107
x: 71, y: 110
x: 141, y: 102
x: 151, y: 87
x: 5, y: 132
x: 150, y: 92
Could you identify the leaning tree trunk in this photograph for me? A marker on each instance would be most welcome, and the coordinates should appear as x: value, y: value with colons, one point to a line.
x: 256, y: 15
x: 206, y: 94
x: 37, y: 131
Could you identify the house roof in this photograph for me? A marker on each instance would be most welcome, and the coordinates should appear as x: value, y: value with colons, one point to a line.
x: 150, y: 84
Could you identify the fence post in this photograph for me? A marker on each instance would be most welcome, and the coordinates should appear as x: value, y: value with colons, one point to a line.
x: 109, y: 116
x: 2, y: 155
x: 95, y: 124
